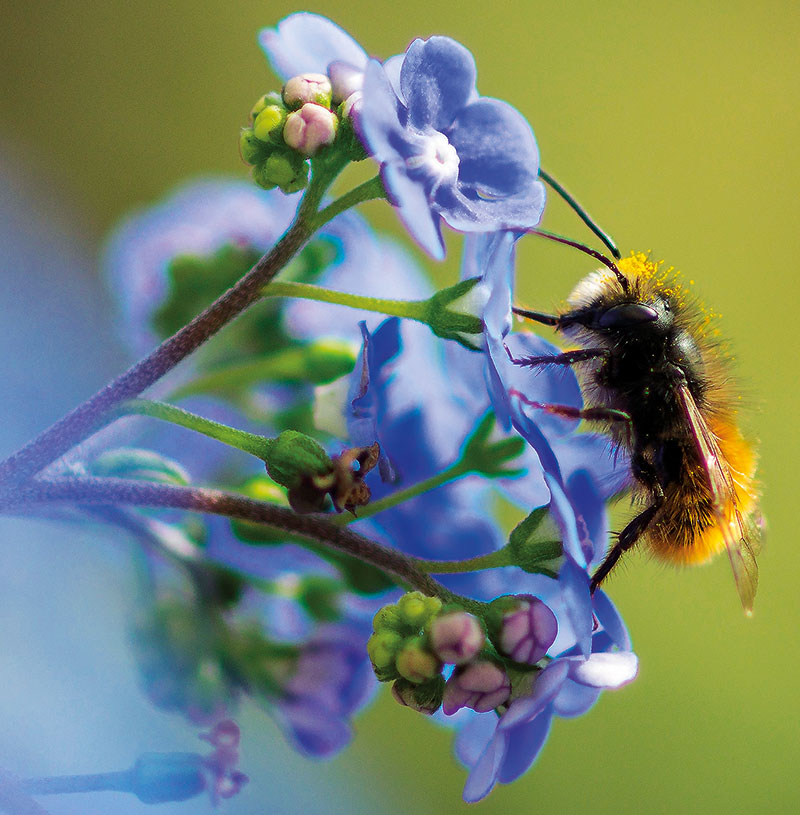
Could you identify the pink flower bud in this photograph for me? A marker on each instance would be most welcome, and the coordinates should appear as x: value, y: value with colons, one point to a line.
x: 300, y: 90
x: 309, y: 129
x: 527, y: 631
x: 457, y: 638
x: 481, y: 686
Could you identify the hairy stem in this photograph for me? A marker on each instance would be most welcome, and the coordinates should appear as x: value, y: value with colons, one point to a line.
x: 121, y: 492
x: 410, y: 309
x: 88, y: 417
x: 240, y: 439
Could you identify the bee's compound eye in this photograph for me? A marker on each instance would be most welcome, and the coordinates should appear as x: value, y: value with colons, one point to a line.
x: 627, y: 314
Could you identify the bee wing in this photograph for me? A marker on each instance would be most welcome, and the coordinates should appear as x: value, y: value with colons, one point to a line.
x: 740, y: 539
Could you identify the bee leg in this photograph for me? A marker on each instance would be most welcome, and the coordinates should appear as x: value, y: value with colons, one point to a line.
x: 594, y: 414
x: 644, y: 472
x: 627, y: 539
x: 567, y: 358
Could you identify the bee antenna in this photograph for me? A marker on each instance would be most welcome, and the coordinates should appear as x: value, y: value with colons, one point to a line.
x: 558, y: 187
x: 623, y: 281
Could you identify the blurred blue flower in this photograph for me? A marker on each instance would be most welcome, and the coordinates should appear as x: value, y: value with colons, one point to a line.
x: 503, y: 749
x: 445, y: 152
x: 196, y: 220
x: 332, y: 679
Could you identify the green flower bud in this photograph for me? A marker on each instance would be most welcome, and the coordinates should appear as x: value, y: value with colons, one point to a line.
x: 424, y: 698
x: 261, y: 488
x: 416, y: 663
x: 271, y: 98
x: 382, y: 648
x: 268, y: 126
x: 535, y: 544
x: 453, y: 313
x: 388, y: 618
x: 294, y: 457
x: 415, y: 609
x: 283, y: 168
x: 251, y: 149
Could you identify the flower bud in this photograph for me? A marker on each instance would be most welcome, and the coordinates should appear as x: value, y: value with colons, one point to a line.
x: 425, y: 698
x: 416, y: 663
x: 310, y: 129
x: 416, y: 609
x: 268, y: 126
x: 251, y: 149
x: 159, y: 778
x: 283, y: 168
x: 535, y: 544
x: 271, y: 98
x: 305, y: 88
x: 293, y: 457
x: 482, y: 686
x: 456, y: 637
x: 523, y: 627
x: 388, y: 618
x: 453, y: 312
x: 345, y: 80
x: 382, y: 648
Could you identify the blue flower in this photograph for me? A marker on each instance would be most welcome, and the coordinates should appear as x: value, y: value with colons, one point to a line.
x: 446, y: 152
x: 308, y: 43
x: 503, y: 749
x: 331, y: 681
x: 198, y: 219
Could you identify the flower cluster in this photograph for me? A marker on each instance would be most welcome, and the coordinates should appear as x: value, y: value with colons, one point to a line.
x: 377, y: 446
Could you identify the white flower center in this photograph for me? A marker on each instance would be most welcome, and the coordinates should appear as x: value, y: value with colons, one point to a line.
x: 436, y: 158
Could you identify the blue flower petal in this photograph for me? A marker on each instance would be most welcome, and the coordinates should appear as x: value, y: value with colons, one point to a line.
x: 524, y: 745
x: 414, y: 210
x: 437, y: 80
x: 547, y: 685
x: 608, y: 616
x: 484, y: 774
x: 474, y: 736
x: 574, y: 699
x: 308, y: 43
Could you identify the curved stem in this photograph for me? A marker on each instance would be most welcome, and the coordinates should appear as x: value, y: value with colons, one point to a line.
x: 401, y: 496
x: 410, y: 309
x: 88, y: 417
x: 369, y: 190
x: 116, y: 492
x: 492, y: 560
x: 240, y: 439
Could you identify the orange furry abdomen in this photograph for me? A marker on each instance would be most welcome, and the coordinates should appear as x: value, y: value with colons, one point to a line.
x: 686, y: 530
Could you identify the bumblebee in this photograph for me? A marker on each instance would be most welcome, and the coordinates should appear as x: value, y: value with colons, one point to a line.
x: 652, y: 369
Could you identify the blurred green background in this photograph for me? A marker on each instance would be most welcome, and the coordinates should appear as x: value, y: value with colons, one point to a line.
x: 677, y: 124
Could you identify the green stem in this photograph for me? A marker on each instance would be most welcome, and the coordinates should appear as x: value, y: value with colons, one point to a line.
x: 450, y: 474
x: 409, y: 309
x: 369, y: 190
x: 493, y: 560
x: 248, y: 442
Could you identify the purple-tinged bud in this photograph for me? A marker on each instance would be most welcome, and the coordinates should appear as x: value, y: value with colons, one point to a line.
x: 305, y: 88
x: 481, y: 686
x: 345, y: 80
x: 457, y: 637
x: 425, y: 698
x: 310, y: 129
x: 524, y: 627
x: 415, y: 663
